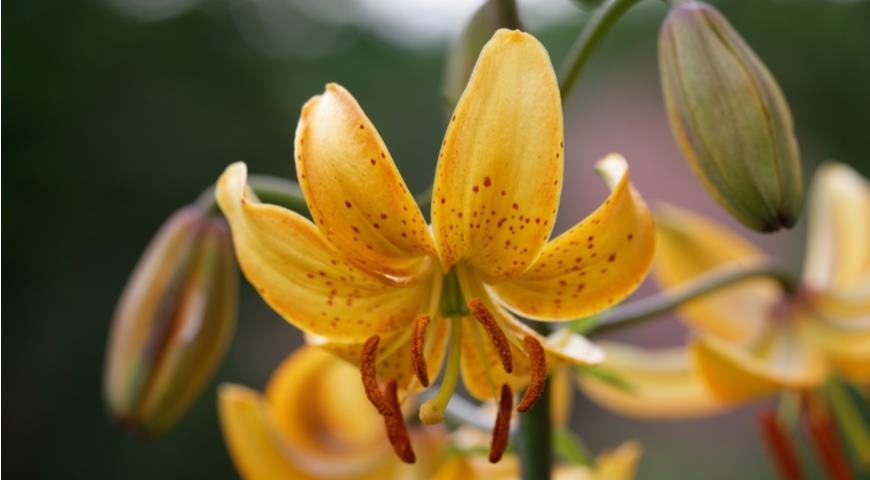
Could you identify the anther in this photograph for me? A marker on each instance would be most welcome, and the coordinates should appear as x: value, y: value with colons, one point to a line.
x: 501, y: 431
x: 397, y: 432
x: 538, y: 372
x: 369, y: 376
x: 418, y: 360
x: 780, y: 446
x: 499, y: 340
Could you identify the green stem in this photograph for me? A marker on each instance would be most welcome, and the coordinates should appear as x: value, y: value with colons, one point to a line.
x: 507, y: 13
x: 268, y: 189
x: 664, y: 302
x: 535, y: 436
x: 595, y: 30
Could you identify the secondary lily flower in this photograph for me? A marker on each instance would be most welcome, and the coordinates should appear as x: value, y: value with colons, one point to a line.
x: 753, y: 338
x: 314, y: 422
x: 617, y: 464
x: 368, y: 281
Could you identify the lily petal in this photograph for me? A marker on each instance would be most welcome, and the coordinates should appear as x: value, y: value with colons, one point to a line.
x: 689, y: 245
x: 355, y: 194
x: 782, y: 359
x: 654, y: 384
x: 847, y: 349
x: 838, y: 257
x: 326, y: 391
x: 260, y: 452
x: 303, y: 278
x: 593, y: 265
x: 394, y: 354
x: 482, y: 370
x: 499, y: 174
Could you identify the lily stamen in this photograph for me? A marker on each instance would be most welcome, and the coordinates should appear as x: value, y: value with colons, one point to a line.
x: 501, y: 431
x: 499, y: 340
x: 397, y: 431
x: 432, y: 411
x: 538, y: 373
x: 418, y: 360
x: 367, y: 362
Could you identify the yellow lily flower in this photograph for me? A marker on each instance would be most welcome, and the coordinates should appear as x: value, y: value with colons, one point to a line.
x: 617, y: 464
x: 314, y: 422
x: 752, y: 338
x: 368, y: 281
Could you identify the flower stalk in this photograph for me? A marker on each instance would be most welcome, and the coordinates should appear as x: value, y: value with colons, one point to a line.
x: 535, y: 435
x: 604, y: 18
x: 269, y: 189
x: 651, y: 307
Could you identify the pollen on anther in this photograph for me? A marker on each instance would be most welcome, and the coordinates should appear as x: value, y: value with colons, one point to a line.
x: 496, y: 335
x: 397, y: 432
x: 538, y: 372
x: 368, y: 359
x: 418, y: 360
x: 501, y: 431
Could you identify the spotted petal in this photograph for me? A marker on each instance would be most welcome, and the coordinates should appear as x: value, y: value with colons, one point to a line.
x: 651, y: 384
x: 689, y: 245
x: 355, y: 194
x: 499, y: 174
x: 306, y: 280
x: 593, y: 265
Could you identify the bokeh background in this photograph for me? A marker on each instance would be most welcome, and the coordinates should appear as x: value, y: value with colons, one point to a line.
x: 119, y: 111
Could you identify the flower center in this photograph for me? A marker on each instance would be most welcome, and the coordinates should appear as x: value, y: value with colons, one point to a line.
x: 453, y: 307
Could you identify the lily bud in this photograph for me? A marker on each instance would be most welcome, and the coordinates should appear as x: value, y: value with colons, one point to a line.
x: 730, y: 118
x: 462, y: 55
x: 173, y: 323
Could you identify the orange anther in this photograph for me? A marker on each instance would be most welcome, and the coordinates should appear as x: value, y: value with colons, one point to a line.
x: 538, y: 372
x: 479, y: 311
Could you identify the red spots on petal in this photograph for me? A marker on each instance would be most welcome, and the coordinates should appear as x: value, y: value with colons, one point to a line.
x: 611, y: 258
x: 347, y: 204
x: 487, y: 182
x: 475, y: 189
x: 372, y: 161
x: 515, y: 206
x: 630, y: 236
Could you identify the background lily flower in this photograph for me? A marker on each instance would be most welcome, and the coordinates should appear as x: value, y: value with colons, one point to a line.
x: 314, y: 422
x: 752, y: 338
x: 368, y: 281
x: 617, y: 464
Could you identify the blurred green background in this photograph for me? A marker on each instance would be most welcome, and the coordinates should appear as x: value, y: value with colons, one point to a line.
x: 117, y: 112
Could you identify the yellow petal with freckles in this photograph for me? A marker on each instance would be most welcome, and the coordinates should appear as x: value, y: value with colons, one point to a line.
x: 781, y: 359
x: 838, y: 235
x: 653, y: 384
x: 593, y: 265
x: 303, y: 278
x: 499, y: 174
x: 689, y: 245
x: 394, y: 353
x: 260, y: 452
x: 355, y: 194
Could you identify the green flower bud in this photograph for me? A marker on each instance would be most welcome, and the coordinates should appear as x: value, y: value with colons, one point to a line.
x: 730, y: 118
x: 462, y: 55
x: 173, y: 323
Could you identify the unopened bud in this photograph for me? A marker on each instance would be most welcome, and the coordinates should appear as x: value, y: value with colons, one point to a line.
x: 730, y: 118
x: 173, y: 323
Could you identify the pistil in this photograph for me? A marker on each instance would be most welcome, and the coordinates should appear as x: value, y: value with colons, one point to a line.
x: 432, y: 411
